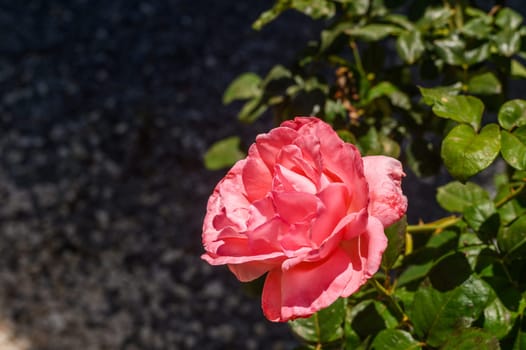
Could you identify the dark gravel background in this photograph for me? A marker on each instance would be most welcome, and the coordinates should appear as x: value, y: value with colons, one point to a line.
x: 106, y: 109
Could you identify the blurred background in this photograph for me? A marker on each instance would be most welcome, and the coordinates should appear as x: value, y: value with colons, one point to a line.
x: 106, y: 110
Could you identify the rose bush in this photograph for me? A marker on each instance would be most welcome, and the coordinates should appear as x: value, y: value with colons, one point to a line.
x: 308, y: 210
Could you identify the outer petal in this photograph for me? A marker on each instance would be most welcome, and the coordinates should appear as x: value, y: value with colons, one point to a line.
x: 384, y: 176
x: 305, y: 288
x: 227, y: 206
x: 365, y: 252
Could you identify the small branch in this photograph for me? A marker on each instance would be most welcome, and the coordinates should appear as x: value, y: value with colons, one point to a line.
x: 388, y: 294
x: 513, y: 193
x: 438, y: 225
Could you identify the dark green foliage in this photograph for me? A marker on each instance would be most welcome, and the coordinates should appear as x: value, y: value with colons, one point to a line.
x: 458, y: 282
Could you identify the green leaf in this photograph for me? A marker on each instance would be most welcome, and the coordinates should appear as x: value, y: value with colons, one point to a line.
x: 477, y: 55
x: 410, y: 46
x: 278, y: 72
x: 328, y: 36
x: 513, y: 147
x: 396, y: 241
x: 479, y: 213
x: 508, y: 42
x: 510, y: 211
x: 357, y: 7
x: 484, y: 84
x: 517, y: 69
x: 335, y: 110
x: 472, y: 338
x: 244, y: 87
x: 463, y: 109
x: 385, y: 88
x: 373, y: 32
x: 395, y: 339
x: 498, y: 320
x: 436, y: 316
x: 483, y: 218
x: 434, y: 17
x: 271, y: 14
x: 414, y: 272
x: 478, y: 28
x: 375, y: 143
x: 451, y: 50
x: 512, y: 239
x: 512, y: 114
x: 466, y: 153
x: 370, y: 317
x: 457, y: 197
x: 314, y: 9
x: 433, y: 95
x: 324, y: 326
x: 346, y: 136
x: 223, y: 153
x: 508, y: 18
x: 399, y: 20
x: 520, y: 339
x: 252, y: 110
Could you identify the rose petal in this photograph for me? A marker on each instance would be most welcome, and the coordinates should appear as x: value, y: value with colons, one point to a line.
x: 365, y: 252
x: 235, y: 251
x: 306, y: 288
x: 384, y: 175
x: 256, y: 176
x: 251, y: 270
x: 287, y: 180
x: 270, y: 144
x: 295, y: 207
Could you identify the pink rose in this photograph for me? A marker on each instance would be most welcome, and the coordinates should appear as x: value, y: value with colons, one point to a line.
x: 307, y: 209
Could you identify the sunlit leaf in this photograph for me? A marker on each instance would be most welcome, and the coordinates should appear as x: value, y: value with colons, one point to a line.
x: 324, y: 326
x: 433, y: 95
x: 508, y: 42
x: 512, y: 114
x: 484, y: 84
x: 463, y: 109
x: 513, y: 147
x: 457, y: 197
x: 223, y: 153
x: 508, y: 18
x: 517, y: 69
x: 466, y: 153
x: 373, y: 32
x: 244, y: 87
x: 498, y: 320
x: 385, y: 88
x: 252, y: 110
x: 410, y: 46
x: 477, y: 28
